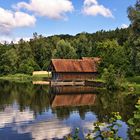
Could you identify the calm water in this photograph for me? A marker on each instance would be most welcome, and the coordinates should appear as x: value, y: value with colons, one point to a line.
x: 39, y: 112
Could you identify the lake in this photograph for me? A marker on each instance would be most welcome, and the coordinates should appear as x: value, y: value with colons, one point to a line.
x: 41, y: 112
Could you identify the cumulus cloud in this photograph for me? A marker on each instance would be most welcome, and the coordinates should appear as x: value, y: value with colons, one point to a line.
x: 54, y: 9
x: 10, y: 20
x: 124, y: 26
x: 93, y: 8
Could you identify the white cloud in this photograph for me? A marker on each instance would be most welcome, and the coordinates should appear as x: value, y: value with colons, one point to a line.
x: 10, y: 20
x: 54, y: 9
x: 89, y: 2
x: 124, y: 26
x: 93, y: 8
x: 8, y: 39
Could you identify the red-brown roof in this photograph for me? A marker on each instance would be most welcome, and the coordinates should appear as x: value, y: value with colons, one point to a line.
x: 75, y: 65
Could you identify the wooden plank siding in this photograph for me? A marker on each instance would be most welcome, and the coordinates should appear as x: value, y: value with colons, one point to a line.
x: 73, y: 76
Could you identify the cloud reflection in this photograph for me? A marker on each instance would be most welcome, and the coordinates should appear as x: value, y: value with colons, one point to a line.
x: 24, y: 122
x: 46, y: 130
x: 10, y: 115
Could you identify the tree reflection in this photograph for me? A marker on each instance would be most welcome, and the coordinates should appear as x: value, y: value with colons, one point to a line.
x: 26, y: 95
x: 38, y: 99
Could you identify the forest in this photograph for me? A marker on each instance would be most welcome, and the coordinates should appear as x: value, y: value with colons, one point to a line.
x: 119, y: 49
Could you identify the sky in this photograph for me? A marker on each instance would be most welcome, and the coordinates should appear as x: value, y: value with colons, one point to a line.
x: 22, y: 18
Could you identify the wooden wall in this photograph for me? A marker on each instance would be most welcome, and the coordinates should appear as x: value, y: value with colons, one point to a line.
x: 73, y: 76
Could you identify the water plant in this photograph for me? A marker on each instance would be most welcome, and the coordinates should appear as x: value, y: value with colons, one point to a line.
x: 107, y: 130
x: 135, y: 123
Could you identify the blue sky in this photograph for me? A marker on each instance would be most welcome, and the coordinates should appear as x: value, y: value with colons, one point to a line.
x: 21, y: 18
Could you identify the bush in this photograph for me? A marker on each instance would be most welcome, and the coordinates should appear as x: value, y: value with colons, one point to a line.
x: 135, y: 123
x: 114, y: 79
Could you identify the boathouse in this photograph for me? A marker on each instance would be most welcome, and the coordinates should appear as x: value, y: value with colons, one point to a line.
x: 74, y: 69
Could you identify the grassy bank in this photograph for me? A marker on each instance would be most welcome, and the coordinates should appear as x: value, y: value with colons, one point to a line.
x: 135, y: 83
x: 132, y: 81
x: 132, y: 84
x: 24, y: 77
x: 135, y: 79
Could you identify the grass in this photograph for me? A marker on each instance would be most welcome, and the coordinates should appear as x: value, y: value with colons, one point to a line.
x: 135, y: 83
x: 132, y: 83
x: 97, y: 80
x: 24, y: 77
x: 135, y: 79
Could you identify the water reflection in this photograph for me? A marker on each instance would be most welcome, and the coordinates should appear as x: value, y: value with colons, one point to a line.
x: 35, y: 111
x: 73, y: 100
x: 41, y: 130
x: 12, y: 115
x: 72, y: 89
x: 15, y: 124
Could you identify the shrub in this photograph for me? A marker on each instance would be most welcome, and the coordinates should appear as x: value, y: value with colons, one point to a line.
x: 114, y: 80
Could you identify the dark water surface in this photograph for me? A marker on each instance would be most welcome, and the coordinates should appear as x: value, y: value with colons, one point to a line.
x: 39, y: 112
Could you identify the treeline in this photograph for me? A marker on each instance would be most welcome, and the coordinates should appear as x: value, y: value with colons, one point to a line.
x: 27, y: 56
x: 120, y: 48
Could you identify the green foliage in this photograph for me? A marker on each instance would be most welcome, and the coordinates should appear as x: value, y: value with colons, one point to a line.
x: 28, y: 66
x: 64, y: 50
x: 112, y: 54
x: 110, y: 78
x: 113, y: 79
x: 109, y: 132
x: 21, y: 78
x: 135, y: 79
x: 9, y: 61
x: 73, y: 137
x: 41, y: 50
x: 134, y: 16
x: 82, y: 45
x: 36, y: 54
x: 135, y: 123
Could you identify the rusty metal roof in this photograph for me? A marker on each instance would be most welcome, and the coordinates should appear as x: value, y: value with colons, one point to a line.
x: 75, y: 65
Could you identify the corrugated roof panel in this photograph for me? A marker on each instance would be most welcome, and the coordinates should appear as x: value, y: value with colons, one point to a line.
x: 73, y: 65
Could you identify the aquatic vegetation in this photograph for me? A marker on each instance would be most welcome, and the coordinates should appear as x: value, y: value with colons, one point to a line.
x: 135, y: 123
x: 107, y: 130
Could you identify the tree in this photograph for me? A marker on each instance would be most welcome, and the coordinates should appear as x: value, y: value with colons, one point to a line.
x: 134, y: 16
x: 26, y: 63
x: 28, y: 66
x: 112, y: 53
x: 41, y: 50
x: 82, y: 46
x: 9, y: 62
x: 64, y: 50
x: 109, y: 75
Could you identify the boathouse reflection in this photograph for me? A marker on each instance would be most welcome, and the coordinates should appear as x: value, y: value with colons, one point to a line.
x: 73, y: 100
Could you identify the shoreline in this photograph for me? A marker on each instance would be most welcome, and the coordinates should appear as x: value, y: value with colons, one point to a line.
x: 24, y: 77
